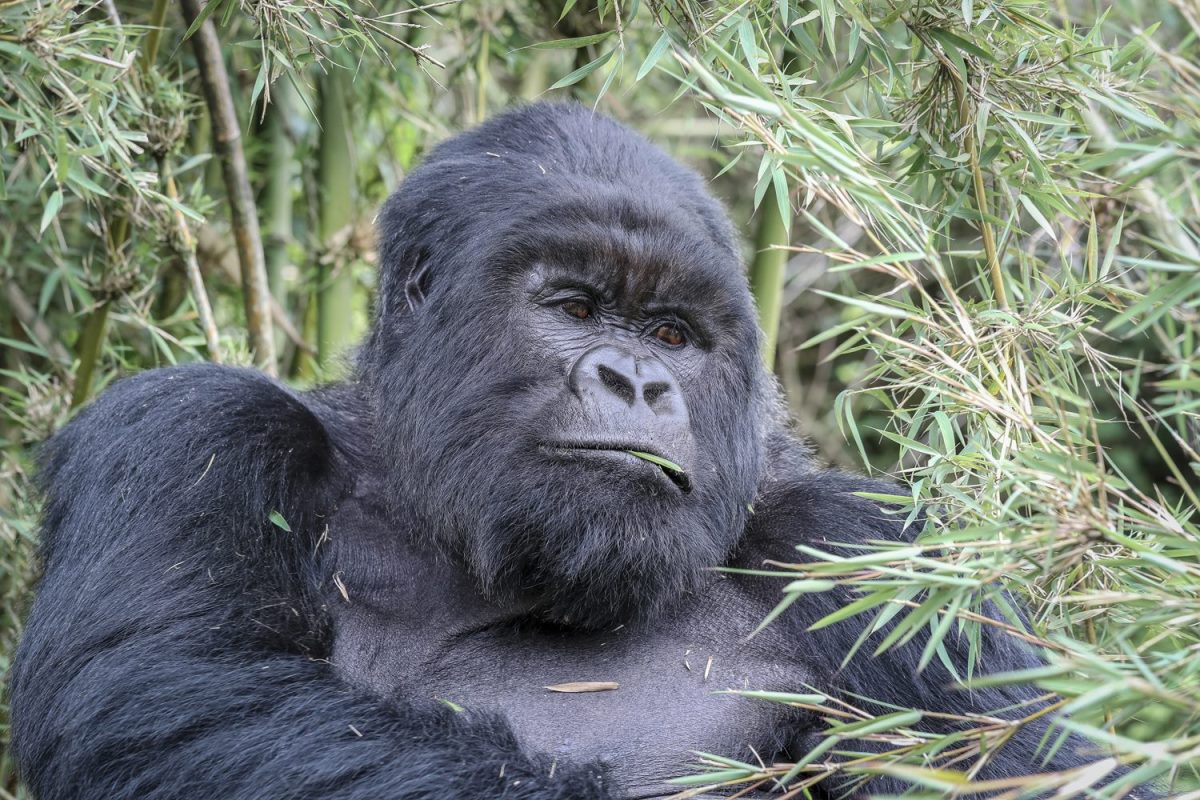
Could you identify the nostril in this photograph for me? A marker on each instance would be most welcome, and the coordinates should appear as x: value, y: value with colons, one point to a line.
x: 616, y: 383
x: 652, y: 391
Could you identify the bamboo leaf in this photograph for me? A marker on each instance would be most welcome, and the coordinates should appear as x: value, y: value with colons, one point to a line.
x: 653, y: 57
x: 583, y: 72
x: 572, y: 44
x: 53, y: 206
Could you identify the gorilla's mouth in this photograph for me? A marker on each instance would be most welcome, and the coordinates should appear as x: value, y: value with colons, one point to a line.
x: 631, y: 454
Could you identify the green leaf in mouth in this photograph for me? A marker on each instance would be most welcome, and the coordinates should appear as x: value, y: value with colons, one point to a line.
x: 659, y: 460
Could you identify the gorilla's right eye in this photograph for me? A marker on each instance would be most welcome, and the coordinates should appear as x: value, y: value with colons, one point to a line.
x: 577, y: 309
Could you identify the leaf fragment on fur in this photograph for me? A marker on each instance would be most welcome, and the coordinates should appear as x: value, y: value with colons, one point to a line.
x: 579, y: 687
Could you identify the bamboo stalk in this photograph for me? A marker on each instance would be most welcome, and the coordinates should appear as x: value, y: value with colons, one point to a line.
x: 90, y: 342
x: 227, y: 140
x: 158, y: 17
x: 304, y: 364
x: 278, y: 313
x: 279, y: 189
x: 95, y: 328
x: 336, y: 174
x: 481, y: 76
x: 768, y: 270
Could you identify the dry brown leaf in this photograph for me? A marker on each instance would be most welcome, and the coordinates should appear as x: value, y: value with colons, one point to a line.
x: 584, y: 686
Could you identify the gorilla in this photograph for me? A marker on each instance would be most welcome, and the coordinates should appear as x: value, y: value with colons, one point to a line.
x: 396, y: 586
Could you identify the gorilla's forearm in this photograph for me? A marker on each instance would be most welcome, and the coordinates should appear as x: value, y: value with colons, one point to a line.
x: 174, y: 647
x: 141, y: 721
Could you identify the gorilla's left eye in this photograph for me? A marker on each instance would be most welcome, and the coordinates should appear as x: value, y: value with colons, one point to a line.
x: 670, y: 335
x: 577, y: 309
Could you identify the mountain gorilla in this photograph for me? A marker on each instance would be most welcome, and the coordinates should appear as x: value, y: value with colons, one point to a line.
x: 379, y: 589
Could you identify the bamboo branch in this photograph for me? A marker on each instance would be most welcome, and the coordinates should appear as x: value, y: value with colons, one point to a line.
x: 227, y: 139
x: 980, y: 189
x: 91, y: 340
x: 289, y: 328
x: 481, y: 75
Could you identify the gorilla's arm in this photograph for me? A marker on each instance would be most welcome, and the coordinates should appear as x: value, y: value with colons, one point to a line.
x: 174, y: 644
x: 820, y: 509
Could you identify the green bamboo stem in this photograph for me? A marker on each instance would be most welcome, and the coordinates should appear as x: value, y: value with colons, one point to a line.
x: 158, y: 18
x: 335, y: 297
x: 304, y: 363
x: 279, y: 189
x: 481, y: 76
x: 90, y: 342
x: 768, y: 270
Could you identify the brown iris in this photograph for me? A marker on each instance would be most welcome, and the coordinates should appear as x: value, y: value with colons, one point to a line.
x: 577, y: 309
x: 670, y: 335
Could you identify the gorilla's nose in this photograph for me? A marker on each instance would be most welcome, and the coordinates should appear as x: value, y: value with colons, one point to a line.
x: 610, y: 375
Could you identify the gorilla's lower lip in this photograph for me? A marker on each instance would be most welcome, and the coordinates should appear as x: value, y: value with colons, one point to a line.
x: 679, y: 479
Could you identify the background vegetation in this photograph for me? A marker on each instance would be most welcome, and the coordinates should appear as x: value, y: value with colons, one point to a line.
x: 971, y: 227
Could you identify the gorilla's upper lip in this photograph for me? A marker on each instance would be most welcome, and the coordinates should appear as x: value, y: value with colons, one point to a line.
x: 679, y: 478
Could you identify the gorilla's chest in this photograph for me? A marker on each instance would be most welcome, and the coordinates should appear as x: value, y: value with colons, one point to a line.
x: 664, y: 685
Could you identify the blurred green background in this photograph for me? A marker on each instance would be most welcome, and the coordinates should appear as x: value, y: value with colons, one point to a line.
x: 971, y: 228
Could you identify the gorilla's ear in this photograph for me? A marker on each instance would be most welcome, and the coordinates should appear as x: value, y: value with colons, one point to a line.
x: 417, y: 285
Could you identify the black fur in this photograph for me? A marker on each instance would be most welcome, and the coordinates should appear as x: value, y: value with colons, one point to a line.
x: 180, y: 642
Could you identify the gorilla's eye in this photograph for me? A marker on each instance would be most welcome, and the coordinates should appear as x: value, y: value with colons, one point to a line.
x: 577, y: 309
x: 670, y: 335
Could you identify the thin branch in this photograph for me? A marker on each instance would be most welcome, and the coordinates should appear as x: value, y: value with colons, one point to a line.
x: 961, y: 91
x: 184, y: 246
x: 36, y: 327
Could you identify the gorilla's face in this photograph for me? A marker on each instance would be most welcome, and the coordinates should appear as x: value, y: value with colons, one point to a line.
x: 515, y: 372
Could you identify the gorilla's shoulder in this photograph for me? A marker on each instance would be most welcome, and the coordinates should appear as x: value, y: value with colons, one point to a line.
x: 824, y: 509
x: 183, y: 439
x: 163, y: 410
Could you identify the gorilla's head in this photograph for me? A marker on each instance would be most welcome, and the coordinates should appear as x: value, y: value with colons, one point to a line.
x: 556, y: 292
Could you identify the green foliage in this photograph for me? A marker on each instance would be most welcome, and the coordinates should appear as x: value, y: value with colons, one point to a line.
x: 1032, y: 322
x: 990, y: 291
